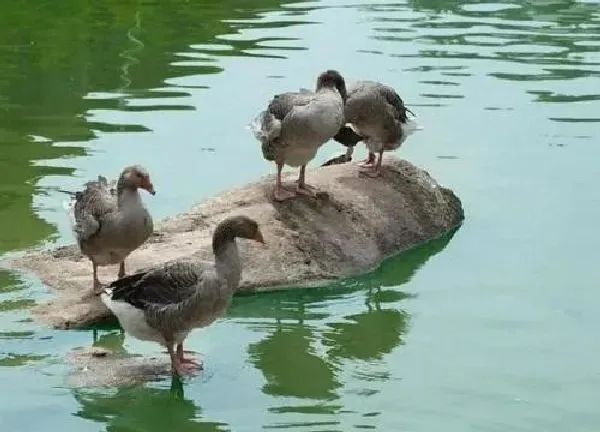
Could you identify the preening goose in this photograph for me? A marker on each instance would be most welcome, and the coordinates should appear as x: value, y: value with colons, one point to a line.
x: 296, y: 124
x: 164, y: 303
x: 109, y: 224
x: 375, y: 114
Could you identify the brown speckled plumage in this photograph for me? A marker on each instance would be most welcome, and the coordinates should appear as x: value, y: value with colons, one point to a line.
x: 110, y: 220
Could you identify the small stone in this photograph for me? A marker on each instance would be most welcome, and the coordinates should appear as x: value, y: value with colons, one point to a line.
x: 99, y: 352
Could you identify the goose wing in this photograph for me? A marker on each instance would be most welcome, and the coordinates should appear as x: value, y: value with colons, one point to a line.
x: 91, y: 205
x: 283, y: 104
x: 272, y: 119
x: 168, y: 284
x: 394, y: 101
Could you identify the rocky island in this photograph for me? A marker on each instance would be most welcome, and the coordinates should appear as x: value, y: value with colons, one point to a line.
x: 349, y: 228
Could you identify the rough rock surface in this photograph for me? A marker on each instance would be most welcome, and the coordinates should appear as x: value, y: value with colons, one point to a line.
x: 100, y: 367
x: 349, y: 228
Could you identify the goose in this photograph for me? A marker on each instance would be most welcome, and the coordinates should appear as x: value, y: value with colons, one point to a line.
x: 110, y: 221
x: 296, y: 124
x: 374, y: 113
x: 166, y: 302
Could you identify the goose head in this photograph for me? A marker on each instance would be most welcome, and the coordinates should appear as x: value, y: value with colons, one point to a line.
x: 236, y: 227
x: 136, y: 177
x: 332, y: 79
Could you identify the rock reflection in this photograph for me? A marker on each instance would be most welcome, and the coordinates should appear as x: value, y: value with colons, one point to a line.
x: 311, y: 338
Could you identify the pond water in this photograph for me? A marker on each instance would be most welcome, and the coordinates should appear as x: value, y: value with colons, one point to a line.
x: 490, y: 328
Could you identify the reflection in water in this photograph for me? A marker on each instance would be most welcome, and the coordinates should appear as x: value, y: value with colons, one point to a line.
x: 9, y: 282
x: 308, y: 344
x: 13, y: 351
x: 63, y: 67
x: 561, y: 35
x: 367, y: 335
x: 287, y: 358
x: 112, y: 340
x: 11, y: 359
x: 65, y: 64
x: 129, y: 56
x: 72, y: 72
x: 143, y: 409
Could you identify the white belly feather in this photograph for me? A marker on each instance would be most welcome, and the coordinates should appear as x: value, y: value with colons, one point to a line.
x: 132, y: 320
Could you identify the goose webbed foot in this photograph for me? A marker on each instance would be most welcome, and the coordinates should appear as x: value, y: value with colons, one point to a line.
x: 187, y: 360
x: 178, y: 368
x: 373, y: 171
x: 306, y: 189
x: 302, y: 187
x: 369, y: 161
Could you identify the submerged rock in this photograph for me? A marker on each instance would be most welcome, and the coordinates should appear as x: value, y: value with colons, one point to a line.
x: 348, y: 229
x: 100, y: 367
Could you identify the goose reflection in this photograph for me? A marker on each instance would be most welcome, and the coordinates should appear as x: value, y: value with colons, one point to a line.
x: 308, y: 334
x: 144, y: 408
x: 112, y: 340
x: 370, y: 334
x: 293, y: 368
x: 291, y: 365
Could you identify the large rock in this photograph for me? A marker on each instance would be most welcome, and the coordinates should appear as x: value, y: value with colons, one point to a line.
x: 353, y: 224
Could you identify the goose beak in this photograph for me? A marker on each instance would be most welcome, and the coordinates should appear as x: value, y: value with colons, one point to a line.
x: 258, y: 237
x: 147, y: 184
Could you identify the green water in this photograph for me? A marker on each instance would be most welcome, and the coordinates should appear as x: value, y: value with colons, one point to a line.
x: 492, y: 328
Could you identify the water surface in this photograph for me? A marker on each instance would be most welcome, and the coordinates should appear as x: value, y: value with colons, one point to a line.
x: 490, y: 328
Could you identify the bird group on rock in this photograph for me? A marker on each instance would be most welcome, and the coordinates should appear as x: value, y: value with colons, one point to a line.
x: 165, y: 302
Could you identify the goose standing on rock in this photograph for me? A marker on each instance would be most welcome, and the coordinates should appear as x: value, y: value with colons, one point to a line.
x: 375, y: 114
x: 296, y: 124
x: 109, y: 224
x: 164, y: 303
